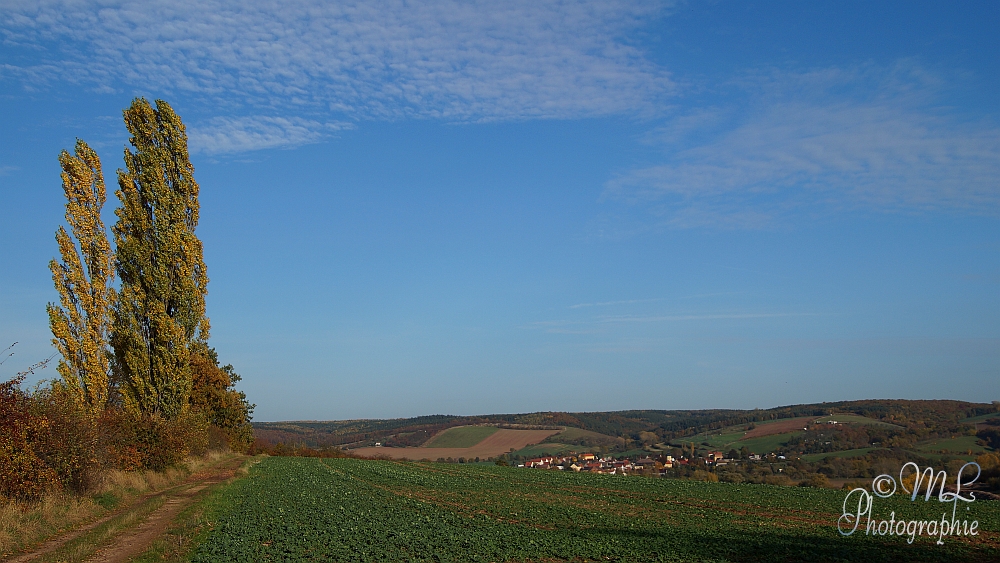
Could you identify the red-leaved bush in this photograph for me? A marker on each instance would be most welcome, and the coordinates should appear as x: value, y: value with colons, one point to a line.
x: 23, y: 474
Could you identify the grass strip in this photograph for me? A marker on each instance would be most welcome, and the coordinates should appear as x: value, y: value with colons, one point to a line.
x: 25, y: 527
x: 84, y: 546
x: 191, y: 526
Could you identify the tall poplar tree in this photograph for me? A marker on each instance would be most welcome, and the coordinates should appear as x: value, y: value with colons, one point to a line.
x: 160, y: 311
x: 81, y: 322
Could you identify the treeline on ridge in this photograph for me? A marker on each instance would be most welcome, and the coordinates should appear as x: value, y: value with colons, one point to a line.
x: 919, y: 418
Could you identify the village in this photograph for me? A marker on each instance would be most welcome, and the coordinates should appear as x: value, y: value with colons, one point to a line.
x: 646, y: 466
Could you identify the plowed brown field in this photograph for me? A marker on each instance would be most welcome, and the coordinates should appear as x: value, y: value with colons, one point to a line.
x: 780, y: 427
x: 495, y: 444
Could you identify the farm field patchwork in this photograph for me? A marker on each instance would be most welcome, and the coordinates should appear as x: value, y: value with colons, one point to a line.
x: 461, y: 437
x: 570, y: 434
x: 767, y: 437
x: 724, y: 442
x: 566, y: 441
x: 764, y: 438
x: 306, y: 509
x: 502, y: 441
x: 781, y: 426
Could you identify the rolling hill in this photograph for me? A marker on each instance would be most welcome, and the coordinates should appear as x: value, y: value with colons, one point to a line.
x: 930, y: 427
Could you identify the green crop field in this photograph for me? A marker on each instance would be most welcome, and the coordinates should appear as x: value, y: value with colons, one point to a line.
x: 306, y: 509
x: 857, y: 419
x: 767, y: 444
x: 960, y: 444
x: 461, y: 437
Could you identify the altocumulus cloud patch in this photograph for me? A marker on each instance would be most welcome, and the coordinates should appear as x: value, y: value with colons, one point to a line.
x: 460, y: 61
x: 831, y: 139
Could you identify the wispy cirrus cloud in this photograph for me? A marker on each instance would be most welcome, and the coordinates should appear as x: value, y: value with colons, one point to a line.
x: 459, y: 61
x: 826, y: 140
x: 701, y: 317
x: 593, y: 325
x: 240, y: 134
x: 608, y: 303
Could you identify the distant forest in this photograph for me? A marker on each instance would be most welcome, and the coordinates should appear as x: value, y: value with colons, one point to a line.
x: 919, y: 420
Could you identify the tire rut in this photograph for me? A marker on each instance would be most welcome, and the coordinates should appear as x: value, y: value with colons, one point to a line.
x: 135, y: 540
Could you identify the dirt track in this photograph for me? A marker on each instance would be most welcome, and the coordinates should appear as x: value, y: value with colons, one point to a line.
x: 136, y: 540
x: 500, y: 442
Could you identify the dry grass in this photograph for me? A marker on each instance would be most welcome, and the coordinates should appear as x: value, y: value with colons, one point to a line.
x: 25, y: 524
x: 84, y: 547
x: 141, y: 482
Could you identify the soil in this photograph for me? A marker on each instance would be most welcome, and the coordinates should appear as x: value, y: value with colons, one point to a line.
x: 135, y: 541
x: 500, y: 442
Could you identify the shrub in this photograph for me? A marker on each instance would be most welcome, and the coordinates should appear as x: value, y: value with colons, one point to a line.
x: 67, y: 441
x: 213, y: 394
x: 163, y: 443
x: 731, y: 477
x: 130, y: 441
x: 23, y: 475
x: 50, y: 440
x: 779, y: 479
x: 990, y: 466
x: 702, y: 475
x: 818, y: 481
x: 990, y: 437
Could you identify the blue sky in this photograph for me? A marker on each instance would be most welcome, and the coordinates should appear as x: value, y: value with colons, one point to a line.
x: 461, y: 207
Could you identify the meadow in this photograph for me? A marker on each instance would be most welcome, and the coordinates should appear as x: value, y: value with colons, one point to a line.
x: 966, y: 444
x: 307, y: 509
